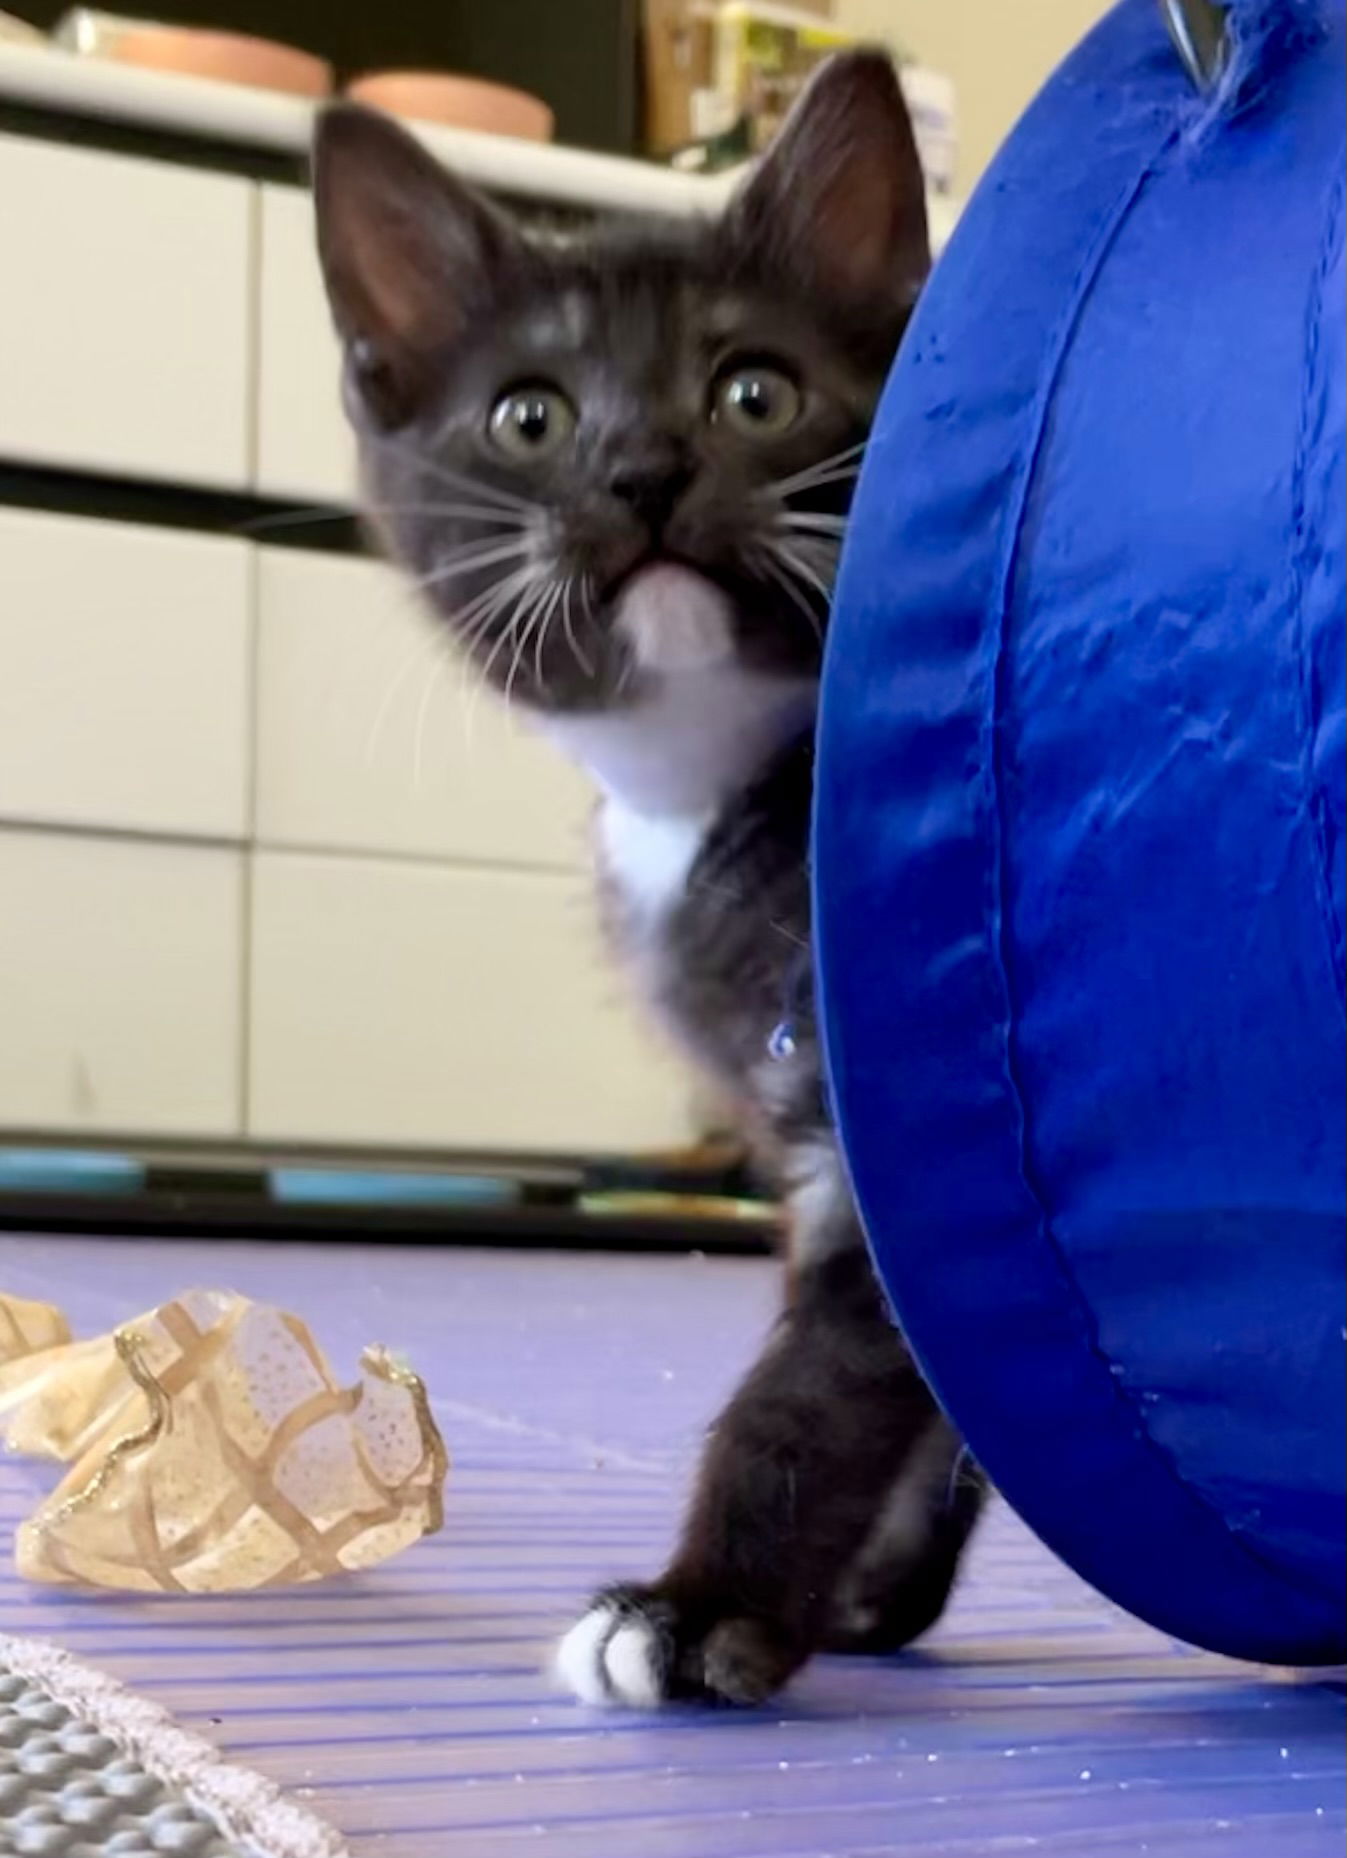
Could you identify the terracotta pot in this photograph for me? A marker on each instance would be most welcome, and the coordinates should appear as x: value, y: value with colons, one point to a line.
x: 456, y: 102
x: 228, y: 57
x: 18, y: 31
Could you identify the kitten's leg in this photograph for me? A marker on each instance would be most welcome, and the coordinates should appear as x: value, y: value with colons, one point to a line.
x: 897, y: 1586
x: 792, y: 1481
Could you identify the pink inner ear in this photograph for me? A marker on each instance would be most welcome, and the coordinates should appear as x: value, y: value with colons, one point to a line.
x: 860, y: 248
x: 398, y: 235
x: 840, y: 194
x: 870, y: 224
x: 404, y: 293
x: 380, y: 250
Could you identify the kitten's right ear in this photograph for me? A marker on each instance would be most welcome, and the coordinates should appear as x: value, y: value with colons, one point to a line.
x: 407, y: 252
x: 838, y: 199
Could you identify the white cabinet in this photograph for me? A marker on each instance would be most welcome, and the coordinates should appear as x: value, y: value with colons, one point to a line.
x: 125, y: 318
x: 120, y: 980
x: 124, y: 676
x: 305, y: 449
x: 409, y: 1005
x: 271, y: 868
x: 372, y: 737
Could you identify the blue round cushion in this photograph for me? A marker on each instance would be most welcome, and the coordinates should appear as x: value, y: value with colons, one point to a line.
x: 1079, y: 834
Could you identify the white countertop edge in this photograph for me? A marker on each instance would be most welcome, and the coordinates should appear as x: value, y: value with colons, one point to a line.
x: 45, y: 77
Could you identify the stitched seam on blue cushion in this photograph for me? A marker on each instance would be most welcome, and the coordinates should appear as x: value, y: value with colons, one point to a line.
x: 993, y: 779
x: 1314, y: 393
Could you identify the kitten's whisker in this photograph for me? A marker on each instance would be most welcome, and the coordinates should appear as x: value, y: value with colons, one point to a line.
x: 796, y: 595
x: 536, y: 632
x: 799, y: 565
x: 537, y: 609
x: 815, y: 473
x: 822, y: 553
x: 844, y: 474
x: 321, y: 513
x: 425, y: 643
x: 470, y: 560
x: 504, y: 585
x: 481, y: 614
x: 843, y: 455
x: 474, y: 512
x: 469, y: 637
x: 568, y: 627
x: 287, y: 519
x: 489, y: 607
x: 514, y: 587
x: 522, y: 597
x: 809, y: 522
x: 525, y: 601
x: 443, y: 660
x: 825, y: 468
x: 540, y: 639
x: 456, y: 480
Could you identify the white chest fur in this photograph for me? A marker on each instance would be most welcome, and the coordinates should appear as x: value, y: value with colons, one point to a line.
x: 701, y: 728
x: 694, y: 739
x: 667, y: 765
x: 649, y: 856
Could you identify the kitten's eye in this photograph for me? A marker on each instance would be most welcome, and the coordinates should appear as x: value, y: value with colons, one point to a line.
x: 758, y: 401
x: 531, y: 421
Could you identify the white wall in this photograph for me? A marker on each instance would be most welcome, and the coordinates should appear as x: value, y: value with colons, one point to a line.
x: 998, y: 53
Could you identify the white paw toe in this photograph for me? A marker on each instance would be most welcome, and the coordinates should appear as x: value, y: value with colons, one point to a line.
x: 632, y: 1662
x: 579, y: 1657
x: 612, y: 1662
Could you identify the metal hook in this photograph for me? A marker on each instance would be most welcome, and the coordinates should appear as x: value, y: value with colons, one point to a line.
x: 1201, y: 36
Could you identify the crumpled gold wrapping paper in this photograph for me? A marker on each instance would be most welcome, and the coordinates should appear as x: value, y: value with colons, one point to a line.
x: 210, y: 1450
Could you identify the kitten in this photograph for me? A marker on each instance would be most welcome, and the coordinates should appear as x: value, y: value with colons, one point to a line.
x: 619, y: 463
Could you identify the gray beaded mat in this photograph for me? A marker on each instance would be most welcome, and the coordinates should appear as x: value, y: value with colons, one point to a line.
x: 87, y: 1770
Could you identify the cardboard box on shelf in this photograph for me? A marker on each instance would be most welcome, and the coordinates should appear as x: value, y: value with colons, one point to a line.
x: 728, y: 71
x: 678, y: 45
x: 764, y: 56
x: 721, y: 75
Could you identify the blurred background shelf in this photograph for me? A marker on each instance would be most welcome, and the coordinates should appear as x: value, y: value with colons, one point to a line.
x: 268, y: 874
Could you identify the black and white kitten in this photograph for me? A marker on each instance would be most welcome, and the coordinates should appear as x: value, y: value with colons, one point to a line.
x: 619, y: 463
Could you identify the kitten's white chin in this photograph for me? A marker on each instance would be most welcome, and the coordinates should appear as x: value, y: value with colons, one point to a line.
x: 696, y: 727
x: 674, y: 619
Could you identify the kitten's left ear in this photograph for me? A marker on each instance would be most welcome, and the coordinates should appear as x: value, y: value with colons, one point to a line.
x: 839, y: 198
x: 408, y: 253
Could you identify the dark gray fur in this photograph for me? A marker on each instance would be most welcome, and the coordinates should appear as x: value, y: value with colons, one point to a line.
x: 828, y: 1510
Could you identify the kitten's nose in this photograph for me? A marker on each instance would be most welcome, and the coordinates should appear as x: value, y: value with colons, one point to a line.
x: 652, y: 491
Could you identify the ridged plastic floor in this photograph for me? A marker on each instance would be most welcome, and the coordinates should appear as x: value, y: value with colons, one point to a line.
x: 409, y: 1707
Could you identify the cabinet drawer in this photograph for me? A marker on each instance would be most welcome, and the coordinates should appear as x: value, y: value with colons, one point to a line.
x: 405, y: 1005
x: 124, y: 667
x: 304, y: 446
x: 124, y: 317
x: 119, y: 986
x: 370, y: 737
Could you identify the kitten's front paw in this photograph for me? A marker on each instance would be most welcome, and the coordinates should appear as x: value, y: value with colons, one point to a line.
x: 637, y: 1647
x: 622, y: 1652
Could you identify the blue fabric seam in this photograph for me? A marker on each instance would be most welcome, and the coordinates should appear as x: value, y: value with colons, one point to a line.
x: 1313, y: 393
x: 994, y: 788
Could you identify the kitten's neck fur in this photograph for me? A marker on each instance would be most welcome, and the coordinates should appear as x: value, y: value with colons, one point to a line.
x: 698, y: 738
x: 672, y: 766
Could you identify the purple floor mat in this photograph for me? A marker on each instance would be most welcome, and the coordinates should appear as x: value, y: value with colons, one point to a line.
x: 408, y: 1707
